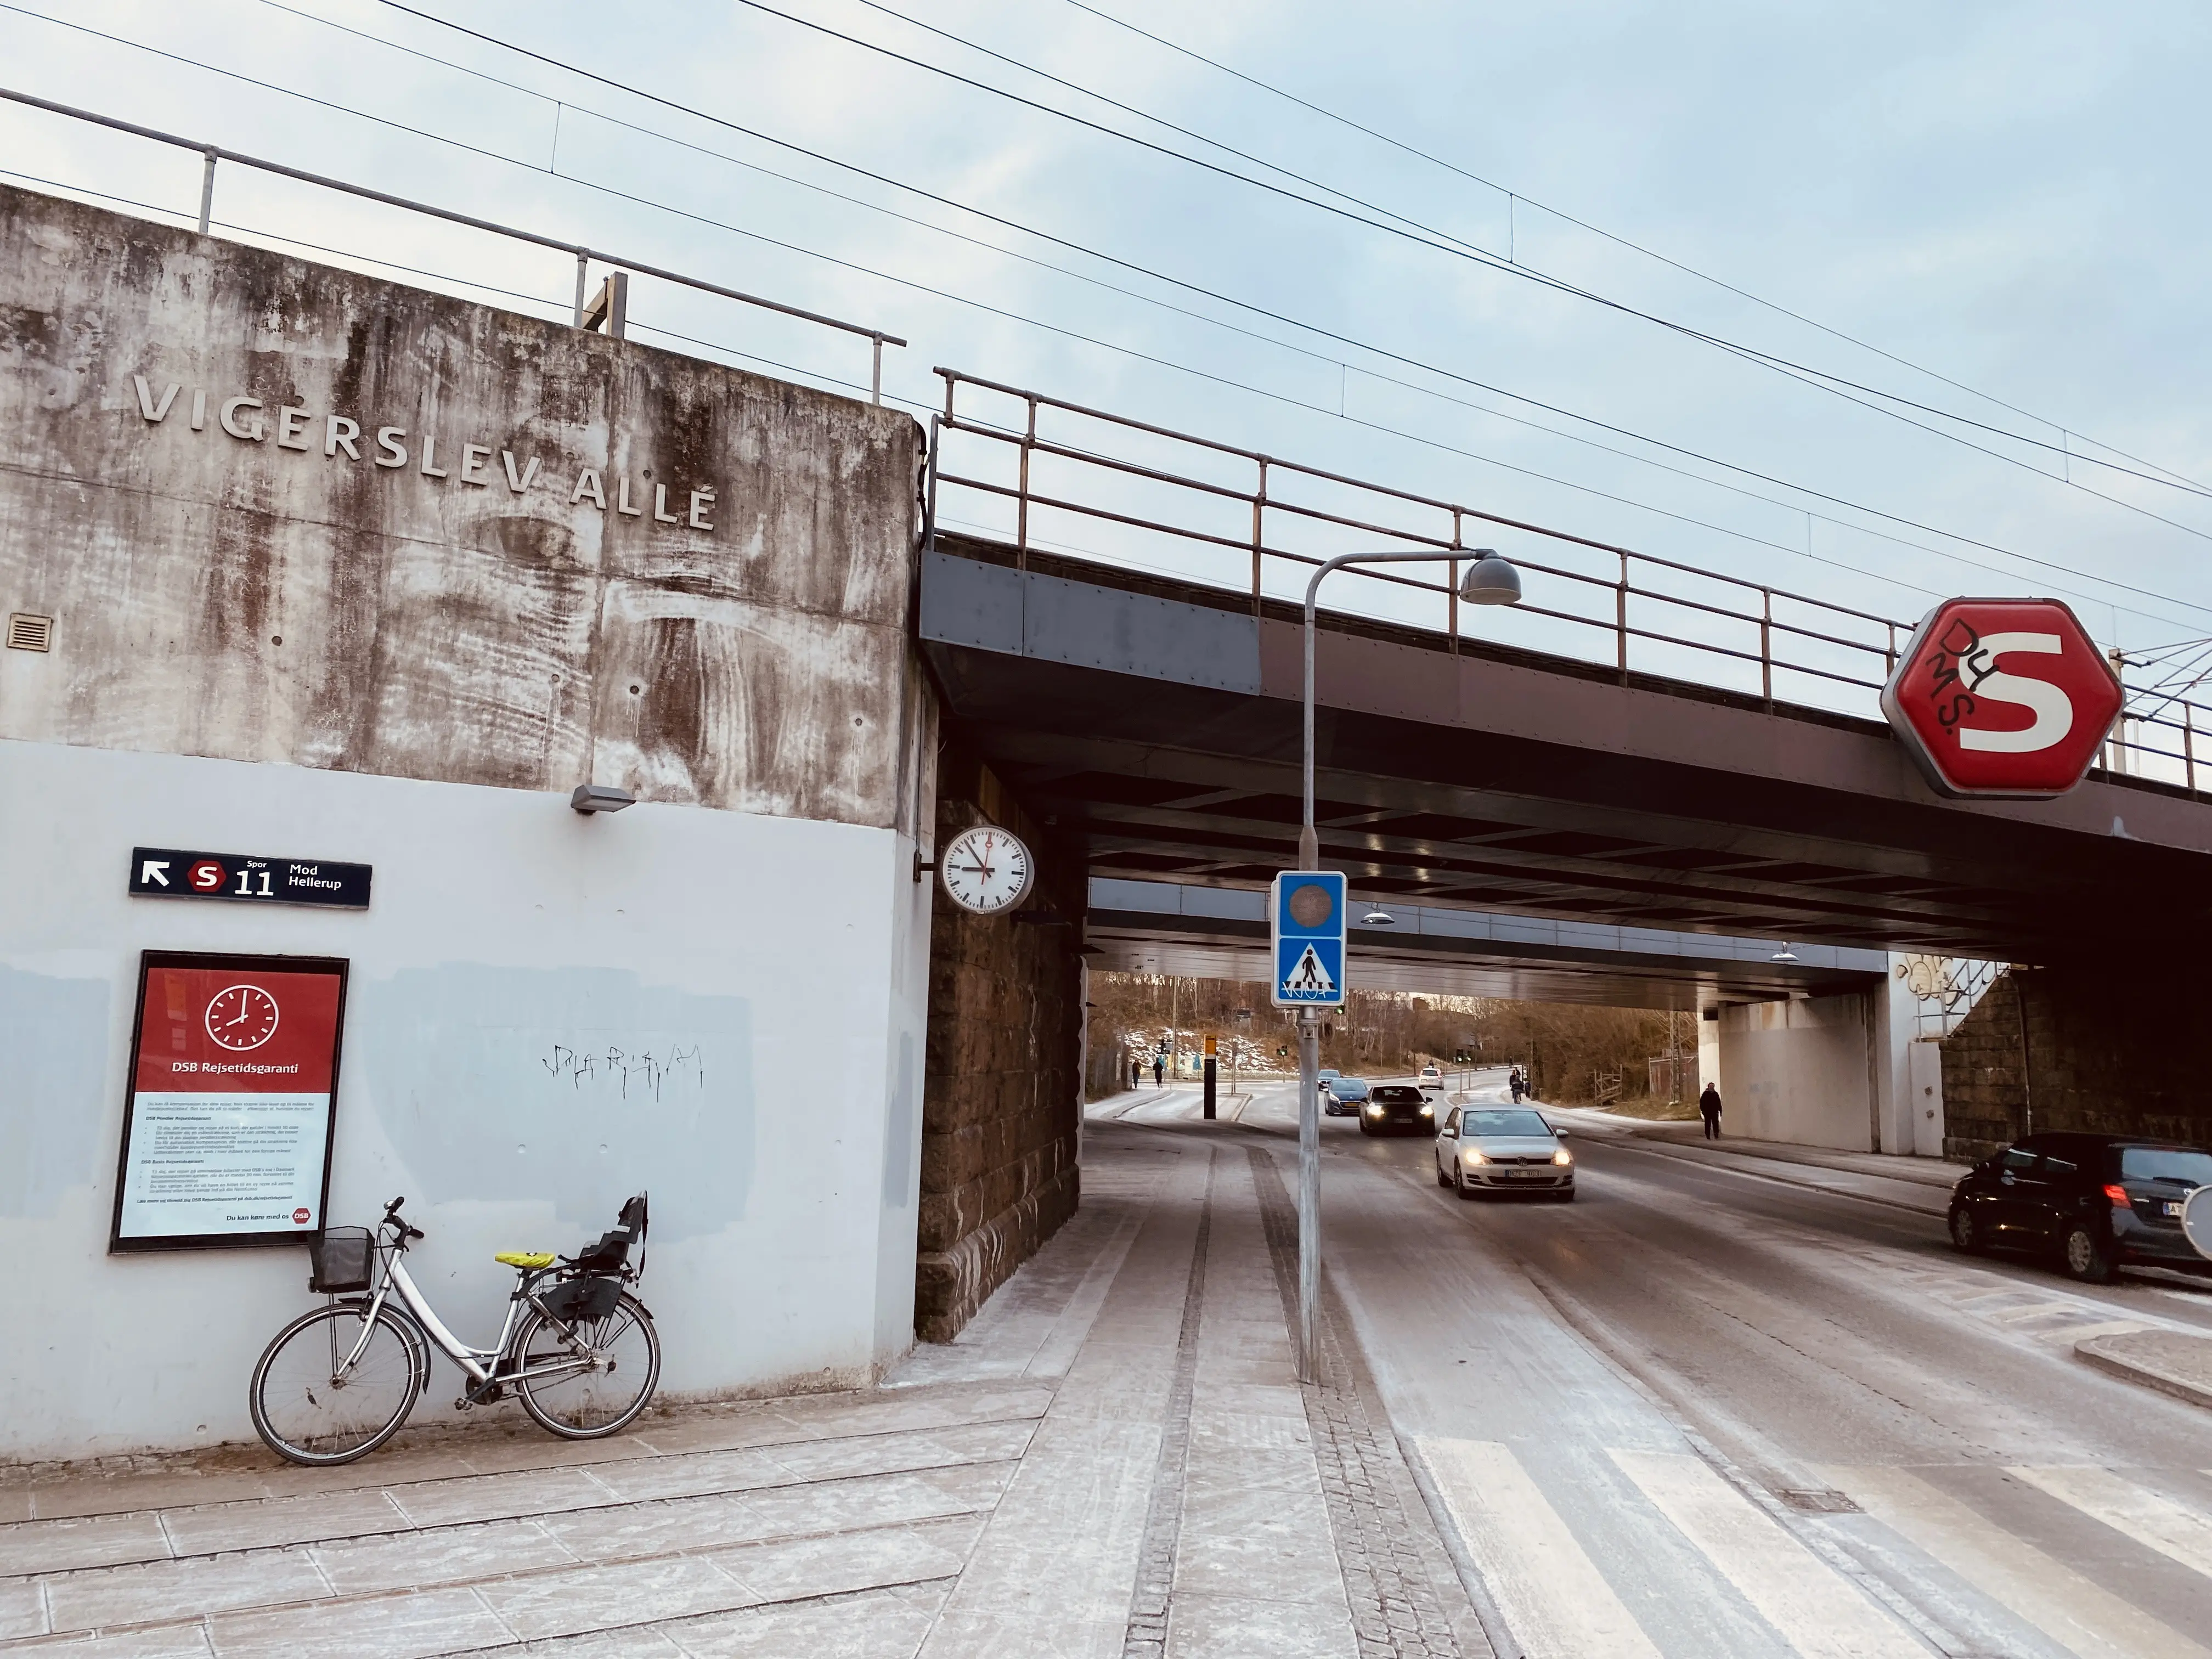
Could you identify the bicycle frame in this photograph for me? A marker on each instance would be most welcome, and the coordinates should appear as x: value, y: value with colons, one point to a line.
x: 481, y: 1364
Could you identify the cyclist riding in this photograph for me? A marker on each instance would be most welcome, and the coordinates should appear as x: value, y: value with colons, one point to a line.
x: 577, y: 1348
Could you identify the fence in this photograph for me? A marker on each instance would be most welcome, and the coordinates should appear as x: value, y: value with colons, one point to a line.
x: 1944, y: 990
x: 585, y: 314
x: 1253, y: 523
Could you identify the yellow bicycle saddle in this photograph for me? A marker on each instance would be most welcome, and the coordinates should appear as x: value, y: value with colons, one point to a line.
x: 525, y: 1258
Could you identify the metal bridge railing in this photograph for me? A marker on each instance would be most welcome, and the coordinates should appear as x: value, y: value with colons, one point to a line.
x: 214, y: 153
x: 1064, y: 468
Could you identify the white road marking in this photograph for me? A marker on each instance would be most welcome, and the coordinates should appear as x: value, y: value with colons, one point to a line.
x: 1553, y: 1597
x: 1817, y: 1610
x: 2174, y: 1531
x: 2081, y: 1616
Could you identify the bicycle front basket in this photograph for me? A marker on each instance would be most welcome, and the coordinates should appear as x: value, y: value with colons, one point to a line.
x: 340, y: 1261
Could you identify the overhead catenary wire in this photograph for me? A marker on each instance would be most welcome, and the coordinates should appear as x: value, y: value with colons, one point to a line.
x: 1442, y: 241
x: 1226, y: 382
x: 1255, y: 309
x: 1145, y: 299
x: 1513, y: 196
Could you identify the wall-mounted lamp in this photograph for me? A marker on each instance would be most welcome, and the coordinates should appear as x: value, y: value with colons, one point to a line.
x: 1786, y: 954
x: 1379, y: 919
x: 601, y: 798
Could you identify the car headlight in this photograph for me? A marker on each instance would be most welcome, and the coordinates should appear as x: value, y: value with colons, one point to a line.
x: 1474, y: 1157
x: 1374, y: 1111
x: 1427, y: 1110
x: 1563, y: 1156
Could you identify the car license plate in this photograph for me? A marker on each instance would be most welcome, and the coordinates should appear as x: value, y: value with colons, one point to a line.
x: 1527, y: 1174
x: 2173, y: 1206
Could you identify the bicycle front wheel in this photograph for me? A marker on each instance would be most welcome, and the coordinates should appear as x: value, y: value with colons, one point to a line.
x: 598, y: 1374
x: 313, y: 1407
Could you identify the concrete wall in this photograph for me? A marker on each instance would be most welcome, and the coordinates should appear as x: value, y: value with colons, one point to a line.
x: 2105, y: 1052
x: 224, y: 596
x: 285, y: 648
x: 1923, y: 1058
x: 1802, y: 1070
x: 1002, y: 1109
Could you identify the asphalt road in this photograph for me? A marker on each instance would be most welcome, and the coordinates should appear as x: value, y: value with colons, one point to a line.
x: 1701, y: 1412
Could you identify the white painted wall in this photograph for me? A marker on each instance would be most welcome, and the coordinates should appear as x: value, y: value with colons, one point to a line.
x: 792, y: 954
x: 1799, y: 1072
x: 1923, y: 1058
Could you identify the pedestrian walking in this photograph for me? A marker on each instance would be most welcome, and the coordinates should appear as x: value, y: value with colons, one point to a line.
x: 1159, y: 1071
x: 1709, y: 1108
x: 1136, y: 1075
x: 1518, y: 1084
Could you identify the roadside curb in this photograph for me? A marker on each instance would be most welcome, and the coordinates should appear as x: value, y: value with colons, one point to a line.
x: 2171, y: 1362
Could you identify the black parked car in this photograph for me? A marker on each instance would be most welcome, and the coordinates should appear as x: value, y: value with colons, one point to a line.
x: 1397, y: 1107
x: 2090, y: 1202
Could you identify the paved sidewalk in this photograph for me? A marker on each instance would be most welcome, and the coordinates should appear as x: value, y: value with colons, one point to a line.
x: 1907, y: 1182
x: 2179, y: 1362
x: 1114, y: 1459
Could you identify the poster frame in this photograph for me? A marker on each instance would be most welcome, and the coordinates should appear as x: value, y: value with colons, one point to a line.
x: 244, y: 962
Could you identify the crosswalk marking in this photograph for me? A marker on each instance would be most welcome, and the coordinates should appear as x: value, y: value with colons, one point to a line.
x: 1555, y: 1600
x: 2079, y: 1615
x: 1817, y: 1610
x: 2174, y: 1531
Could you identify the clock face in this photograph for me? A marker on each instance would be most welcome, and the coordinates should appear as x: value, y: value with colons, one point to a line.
x: 984, y: 870
x: 243, y: 1016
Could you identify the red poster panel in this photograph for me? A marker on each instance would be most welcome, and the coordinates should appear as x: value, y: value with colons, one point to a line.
x: 233, y: 1078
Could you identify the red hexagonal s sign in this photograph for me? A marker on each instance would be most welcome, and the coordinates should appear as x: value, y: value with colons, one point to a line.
x: 2007, y: 698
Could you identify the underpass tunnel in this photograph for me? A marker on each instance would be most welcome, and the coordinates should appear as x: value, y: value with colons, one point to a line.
x: 1805, y: 1042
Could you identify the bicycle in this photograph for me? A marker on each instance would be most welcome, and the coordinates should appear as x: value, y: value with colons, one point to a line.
x: 577, y: 1349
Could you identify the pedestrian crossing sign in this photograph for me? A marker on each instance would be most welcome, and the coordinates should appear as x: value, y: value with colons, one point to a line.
x: 1306, y: 925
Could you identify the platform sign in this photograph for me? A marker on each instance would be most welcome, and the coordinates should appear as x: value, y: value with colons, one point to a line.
x: 227, y: 1120
x: 247, y: 878
x: 2004, y: 699
x: 1306, y: 926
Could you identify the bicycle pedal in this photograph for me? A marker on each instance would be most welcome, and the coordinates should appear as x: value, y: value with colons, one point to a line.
x: 462, y: 1404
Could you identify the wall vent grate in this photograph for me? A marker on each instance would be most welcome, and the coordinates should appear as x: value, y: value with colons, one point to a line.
x: 29, y: 633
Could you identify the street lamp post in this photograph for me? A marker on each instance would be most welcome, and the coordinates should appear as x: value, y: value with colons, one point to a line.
x: 1491, y: 581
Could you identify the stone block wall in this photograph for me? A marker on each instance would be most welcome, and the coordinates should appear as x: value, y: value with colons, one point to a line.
x: 2105, y: 1052
x: 1001, y: 1112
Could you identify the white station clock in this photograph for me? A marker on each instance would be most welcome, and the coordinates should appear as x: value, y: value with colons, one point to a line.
x: 985, y: 870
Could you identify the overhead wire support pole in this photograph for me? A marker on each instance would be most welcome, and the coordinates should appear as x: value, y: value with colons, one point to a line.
x: 217, y: 152
x: 207, y: 190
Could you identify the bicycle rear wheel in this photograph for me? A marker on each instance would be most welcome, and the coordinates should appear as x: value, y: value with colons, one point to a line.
x: 310, y: 1406
x: 618, y: 1362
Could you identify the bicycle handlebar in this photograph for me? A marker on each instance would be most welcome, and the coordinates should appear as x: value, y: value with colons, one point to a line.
x: 392, y: 1214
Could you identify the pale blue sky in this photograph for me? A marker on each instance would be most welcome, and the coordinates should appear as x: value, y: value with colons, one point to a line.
x: 2012, y: 196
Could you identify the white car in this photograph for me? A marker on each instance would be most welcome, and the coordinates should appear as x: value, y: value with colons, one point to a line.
x: 1493, y: 1149
x: 1430, y: 1074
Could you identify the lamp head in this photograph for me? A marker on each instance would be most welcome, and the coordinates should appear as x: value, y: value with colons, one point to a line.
x: 1490, y: 579
x: 600, y: 798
